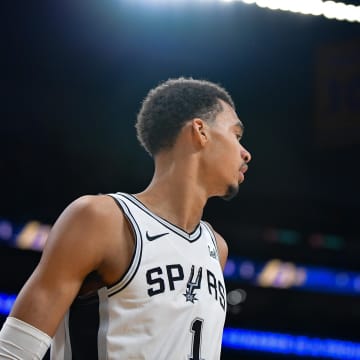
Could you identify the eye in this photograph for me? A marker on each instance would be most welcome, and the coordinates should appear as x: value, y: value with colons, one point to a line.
x: 238, y: 137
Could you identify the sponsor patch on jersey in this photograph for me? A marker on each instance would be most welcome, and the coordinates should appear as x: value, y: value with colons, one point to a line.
x: 212, y: 250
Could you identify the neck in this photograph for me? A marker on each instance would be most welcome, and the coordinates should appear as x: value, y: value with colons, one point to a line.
x: 176, y: 194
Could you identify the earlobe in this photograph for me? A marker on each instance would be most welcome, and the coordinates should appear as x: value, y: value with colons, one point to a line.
x: 200, y: 131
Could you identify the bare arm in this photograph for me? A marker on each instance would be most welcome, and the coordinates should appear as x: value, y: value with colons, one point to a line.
x: 223, y: 249
x: 80, y: 242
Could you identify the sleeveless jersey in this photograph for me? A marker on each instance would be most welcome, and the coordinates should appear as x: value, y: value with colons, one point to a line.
x: 169, y: 305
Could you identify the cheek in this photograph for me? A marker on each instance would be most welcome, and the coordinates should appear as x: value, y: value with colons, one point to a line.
x: 225, y: 151
x: 233, y: 150
x: 229, y: 158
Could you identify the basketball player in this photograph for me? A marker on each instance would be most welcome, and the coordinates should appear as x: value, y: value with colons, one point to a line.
x: 140, y: 276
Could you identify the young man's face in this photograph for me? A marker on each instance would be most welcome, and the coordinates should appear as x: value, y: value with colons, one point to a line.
x: 227, y: 157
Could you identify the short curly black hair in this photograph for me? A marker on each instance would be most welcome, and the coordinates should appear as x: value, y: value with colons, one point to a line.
x: 171, y: 104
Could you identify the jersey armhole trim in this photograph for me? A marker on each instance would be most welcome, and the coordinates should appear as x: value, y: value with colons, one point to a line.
x: 136, y: 258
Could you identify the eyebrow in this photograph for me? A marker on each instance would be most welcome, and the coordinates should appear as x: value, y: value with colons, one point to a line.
x: 239, y: 125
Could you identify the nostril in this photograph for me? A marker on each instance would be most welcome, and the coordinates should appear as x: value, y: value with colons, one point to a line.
x: 247, y: 157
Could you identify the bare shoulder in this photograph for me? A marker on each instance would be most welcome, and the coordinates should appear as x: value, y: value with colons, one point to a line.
x: 222, y: 246
x: 87, y: 214
x: 92, y: 227
x: 94, y: 207
x: 87, y: 237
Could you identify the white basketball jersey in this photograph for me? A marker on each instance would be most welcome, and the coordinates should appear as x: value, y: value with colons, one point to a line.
x: 169, y: 305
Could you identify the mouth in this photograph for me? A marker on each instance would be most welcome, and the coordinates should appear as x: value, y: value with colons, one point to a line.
x: 244, y: 168
x: 242, y: 171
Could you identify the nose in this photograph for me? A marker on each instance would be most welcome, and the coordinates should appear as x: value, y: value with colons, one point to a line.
x: 245, y: 155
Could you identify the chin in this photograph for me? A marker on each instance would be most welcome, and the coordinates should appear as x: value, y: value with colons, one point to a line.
x: 231, y: 192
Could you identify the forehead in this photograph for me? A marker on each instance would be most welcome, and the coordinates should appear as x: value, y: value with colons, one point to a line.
x: 228, y: 117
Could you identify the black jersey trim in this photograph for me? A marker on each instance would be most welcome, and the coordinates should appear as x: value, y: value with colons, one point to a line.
x: 191, y: 237
x: 83, y: 325
x: 136, y: 258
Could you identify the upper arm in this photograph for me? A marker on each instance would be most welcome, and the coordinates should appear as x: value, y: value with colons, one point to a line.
x: 77, y: 245
x: 222, y: 248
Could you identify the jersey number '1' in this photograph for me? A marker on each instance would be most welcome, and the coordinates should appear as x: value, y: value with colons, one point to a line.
x: 196, y: 327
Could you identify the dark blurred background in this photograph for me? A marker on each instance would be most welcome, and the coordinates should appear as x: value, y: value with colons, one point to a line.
x: 74, y: 73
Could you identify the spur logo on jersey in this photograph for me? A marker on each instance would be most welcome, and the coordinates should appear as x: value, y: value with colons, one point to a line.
x: 171, y: 277
x: 192, y: 285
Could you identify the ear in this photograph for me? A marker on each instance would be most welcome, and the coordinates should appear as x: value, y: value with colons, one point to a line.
x: 200, y: 131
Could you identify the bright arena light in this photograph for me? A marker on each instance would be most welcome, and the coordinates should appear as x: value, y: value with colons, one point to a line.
x: 329, y: 9
x: 287, y: 344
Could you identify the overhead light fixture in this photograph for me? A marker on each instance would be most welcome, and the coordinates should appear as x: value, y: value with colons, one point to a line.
x: 329, y: 9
